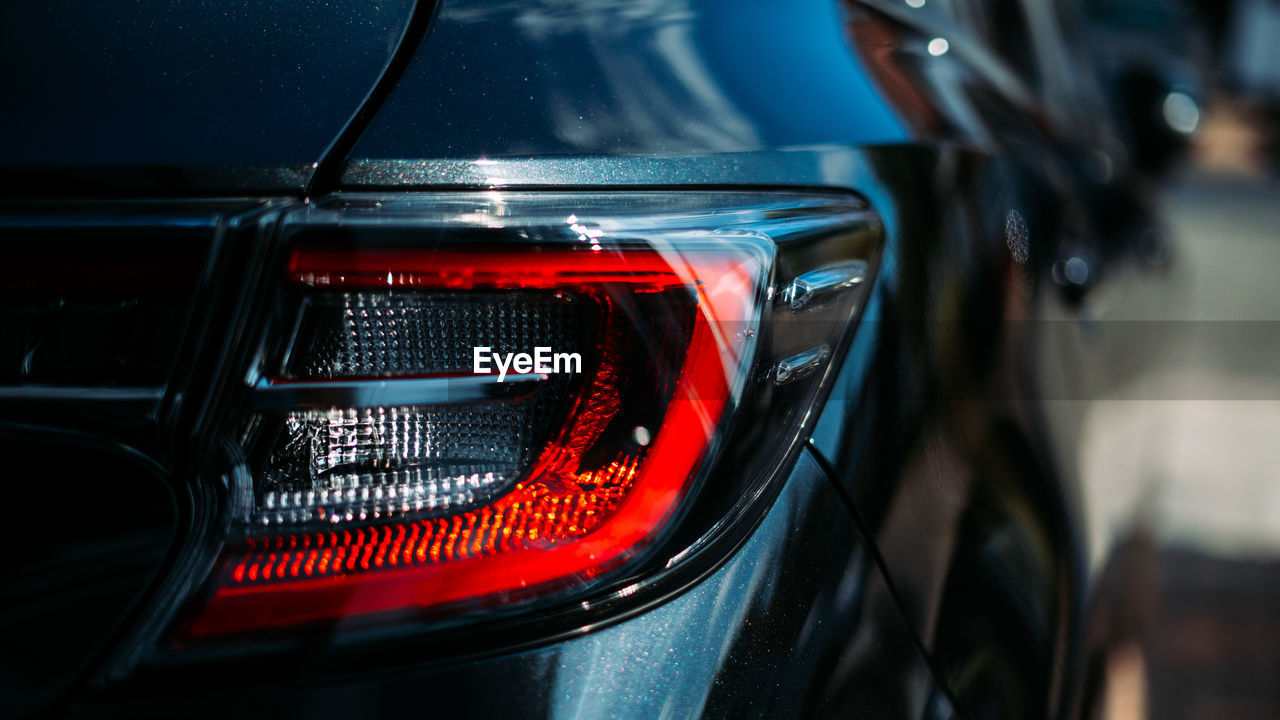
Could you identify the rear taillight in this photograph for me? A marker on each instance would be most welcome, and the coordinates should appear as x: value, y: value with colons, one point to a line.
x: 498, y: 401
x: 407, y: 479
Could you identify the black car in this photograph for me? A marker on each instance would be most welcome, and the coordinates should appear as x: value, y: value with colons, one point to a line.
x: 557, y: 358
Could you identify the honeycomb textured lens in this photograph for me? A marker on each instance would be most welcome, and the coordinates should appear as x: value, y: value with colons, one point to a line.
x: 359, y: 464
x: 385, y: 334
x: 353, y: 464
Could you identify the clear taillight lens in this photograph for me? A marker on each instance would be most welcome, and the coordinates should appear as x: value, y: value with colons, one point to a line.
x: 343, y: 464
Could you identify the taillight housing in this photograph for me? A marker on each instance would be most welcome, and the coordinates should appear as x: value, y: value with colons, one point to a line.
x: 476, y: 405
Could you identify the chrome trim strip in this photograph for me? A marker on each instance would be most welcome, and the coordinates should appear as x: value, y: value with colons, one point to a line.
x: 81, y: 393
x: 800, y: 364
x: 818, y: 287
x: 321, y: 395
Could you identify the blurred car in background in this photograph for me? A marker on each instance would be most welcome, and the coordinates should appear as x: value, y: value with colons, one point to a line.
x: 823, y: 264
x: 1154, y: 58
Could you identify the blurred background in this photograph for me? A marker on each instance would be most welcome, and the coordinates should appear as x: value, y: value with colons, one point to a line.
x: 1200, y: 424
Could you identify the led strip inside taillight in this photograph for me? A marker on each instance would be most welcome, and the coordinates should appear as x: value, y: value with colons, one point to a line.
x: 582, y: 507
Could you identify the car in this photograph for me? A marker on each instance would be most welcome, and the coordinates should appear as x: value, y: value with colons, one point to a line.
x: 278, y: 280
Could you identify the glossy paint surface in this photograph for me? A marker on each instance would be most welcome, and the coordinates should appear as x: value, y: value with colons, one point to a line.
x: 622, y: 78
x: 933, y: 430
x: 162, y: 83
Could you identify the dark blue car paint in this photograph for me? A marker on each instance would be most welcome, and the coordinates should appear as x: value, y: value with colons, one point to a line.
x: 522, y: 79
x: 187, y: 83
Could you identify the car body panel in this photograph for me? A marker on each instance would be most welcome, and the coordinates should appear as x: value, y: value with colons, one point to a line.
x: 164, y: 85
x: 616, y: 78
x: 929, y: 424
x: 932, y: 521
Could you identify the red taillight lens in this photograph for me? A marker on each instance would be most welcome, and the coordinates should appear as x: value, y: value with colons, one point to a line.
x: 357, y: 478
x: 388, y: 478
